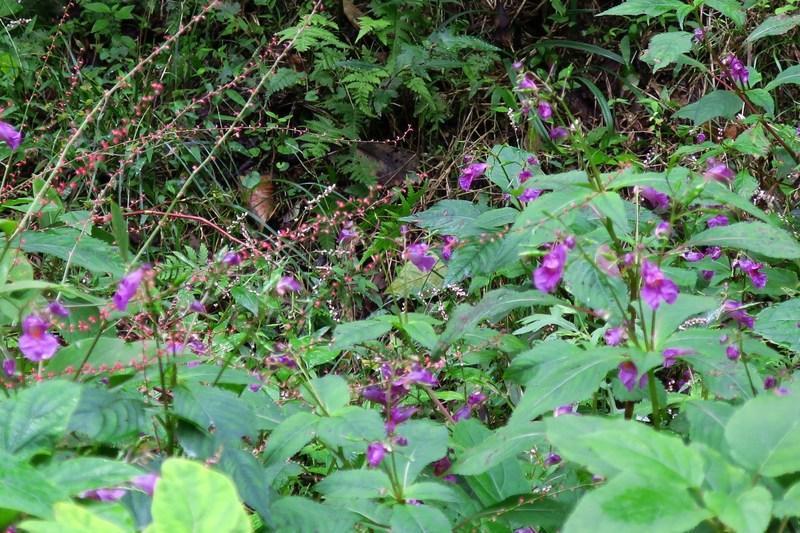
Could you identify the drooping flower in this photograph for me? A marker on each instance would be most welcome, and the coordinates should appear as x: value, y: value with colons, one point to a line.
x: 551, y: 268
x: 463, y: 413
x: 658, y: 200
x: 528, y: 195
x: 607, y: 260
x: 471, y: 173
x: 693, y: 255
x: 627, y: 374
x: 615, y: 336
x: 516, y: 65
x: 232, y: 259
x: 714, y: 252
x: 732, y: 352
x: 527, y: 82
x: 699, y: 34
x: 9, y: 367
x: 718, y: 171
x: 561, y: 410
x: 671, y: 354
x: 770, y: 382
x: 10, y: 135
x: 736, y: 311
x: 663, y: 229
x: 707, y: 275
x: 174, y: 347
x: 441, y: 466
x: 737, y: 70
x: 545, y: 110
x: 56, y: 308
x: 753, y: 270
x: 36, y: 343
x: 476, y: 398
x: 375, y: 454
x: 558, y: 133
x: 552, y: 459
x: 717, y: 221
x: 701, y: 138
x: 418, y: 375
x: 286, y: 285
x: 348, y: 233
x: 450, y: 243
x: 524, y: 175
x: 656, y: 286
x: 197, y: 347
x: 533, y: 160
x: 419, y: 257
x: 197, y: 307
x: 103, y: 495
x: 128, y: 287
x: 146, y: 483
x: 398, y: 415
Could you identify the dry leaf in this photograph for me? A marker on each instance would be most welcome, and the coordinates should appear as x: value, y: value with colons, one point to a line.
x: 352, y: 13
x: 262, y: 198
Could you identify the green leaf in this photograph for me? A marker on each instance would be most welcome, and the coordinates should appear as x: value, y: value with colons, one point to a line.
x: 777, y: 25
x: 670, y: 316
x: 26, y: 490
x: 251, y: 479
x: 630, y: 504
x: 707, y: 421
x: 10, y: 7
x: 36, y: 417
x: 411, y: 281
x: 92, y: 254
x: 763, y: 99
x: 756, y: 237
x: 216, y: 411
x: 745, y: 512
x: 651, y: 8
x: 418, y: 518
x: 611, y: 206
x: 428, y: 490
x: 289, y: 437
x: 194, y: 499
x: 422, y: 332
x: 427, y: 442
x: 582, y: 46
x: 730, y: 8
x: 789, y: 505
x: 351, y: 428
x: 79, y: 474
x: 301, y: 515
x: 97, y: 7
x: 105, y: 351
x: 790, y: 75
x: 108, y: 417
x: 120, y: 229
x: 713, y: 105
x: 778, y: 323
x: 355, y: 484
x: 595, y: 289
x: 331, y: 391
x: 350, y: 334
x: 667, y: 48
x: 764, y: 435
x: 449, y: 217
x: 488, y: 449
x: 71, y: 518
x: 752, y: 141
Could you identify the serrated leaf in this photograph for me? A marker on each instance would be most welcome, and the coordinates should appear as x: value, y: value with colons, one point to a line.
x: 777, y: 25
x: 79, y: 474
x: 26, y: 490
x: 293, y: 513
x: 667, y: 48
x: 350, y: 334
x: 216, y: 411
x: 110, y: 417
x: 730, y: 8
x: 84, y: 251
x: 494, y: 447
x: 355, y: 484
x: 418, y: 519
x: 713, y: 105
x: 778, y: 323
x: 72, y: 518
x: 790, y: 75
x: 756, y: 237
x: 651, y: 8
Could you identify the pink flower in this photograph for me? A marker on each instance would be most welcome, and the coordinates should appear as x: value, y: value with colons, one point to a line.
x: 693, y: 255
x: 470, y: 174
x: 286, y: 285
x: 146, y: 482
x: 450, y: 243
x: 657, y: 200
x: 418, y: 255
x: 615, y: 336
x: 56, y: 308
x: 36, y: 343
x: 656, y: 286
x: 527, y: 83
x: 561, y: 410
x: 628, y: 373
x: 732, y: 352
x: 348, y: 233
x: 701, y: 138
x: 558, y: 133
x: 735, y: 310
x: 606, y: 260
x: 736, y: 69
x: 717, y: 221
x: 9, y: 367
x: 551, y: 268
x: 714, y: 252
x: 516, y: 65
x: 528, y: 195
x: 375, y: 454
x: 545, y: 110
x: 718, y: 172
x: 663, y: 229
x: 197, y: 307
x: 10, y: 135
x: 103, y: 495
x: 232, y: 259
x: 753, y: 270
x: 671, y: 354
x: 128, y: 287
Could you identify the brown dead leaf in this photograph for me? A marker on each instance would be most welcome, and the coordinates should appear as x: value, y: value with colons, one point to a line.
x: 352, y: 13
x: 262, y: 198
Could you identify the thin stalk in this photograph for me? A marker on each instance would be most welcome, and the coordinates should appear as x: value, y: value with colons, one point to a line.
x: 90, y: 350
x: 656, y: 408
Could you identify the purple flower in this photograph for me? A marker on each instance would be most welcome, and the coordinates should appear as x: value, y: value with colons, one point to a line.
x: 441, y: 466
x: 671, y: 354
x: 770, y: 382
x: 533, y: 160
x: 699, y: 34
x: 281, y: 360
x: 551, y: 268
x: 753, y: 270
x: 737, y: 70
x: 463, y: 413
x: 606, y: 260
x: 527, y: 83
x: 174, y: 348
x: 476, y: 398
x: 232, y: 259
x: 103, y: 495
x: 723, y: 338
x: 558, y: 133
x: 656, y: 286
x: 470, y: 174
x: 56, y: 308
x: 146, y: 483
x: 418, y: 255
x: 450, y: 242
x: 552, y: 459
x: 9, y: 367
x: 418, y: 375
x: 657, y: 200
x: 717, y: 221
x: 128, y: 287
x: 286, y: 285
x: 732, y: 352
x: 10, y: 135
x: 718, y: 172
x: 197, y: 307
x: 197, y: 347
x: 529, y: 195
x: 36, y: 343
x: 615, y: 336
x: 398, y: 415
x: 516, y: 65
x: 545, y: 110
x: 663, y: 229
x: 627, y: 374
x: 564, y: 410
x: 714, y: 252
x: 375, y: 453
x: 525, y: 530
x: 735, y: 311
x: 347, y: 234
x: 254, y: 387
x: 524, y: 175
x: 193, y: 363
x: 701, y: 138
x: 693, y: 255
x: 707, y: 275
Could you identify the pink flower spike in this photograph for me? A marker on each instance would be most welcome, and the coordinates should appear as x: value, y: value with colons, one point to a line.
x: 10, y: 135
x: 545, y: 110
x: 470, y: 174
x: 286, y: 285
x: 656, y: 286
x: 128, y: 287
x: 718, y: 172
x: 551, y: 268
x: 615, y: 336
x: 36, y: 343
x: 418, y: 255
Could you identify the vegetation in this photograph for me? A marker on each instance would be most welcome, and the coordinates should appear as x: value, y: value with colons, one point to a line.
x: 399, y: 266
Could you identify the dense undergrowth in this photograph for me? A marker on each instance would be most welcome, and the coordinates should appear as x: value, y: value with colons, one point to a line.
x: 399, y: 266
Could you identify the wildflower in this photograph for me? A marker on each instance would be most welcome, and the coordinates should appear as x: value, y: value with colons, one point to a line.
x: 551, y: 268
x: 476, y: 398
x: 103, y: 495
x: 470, y: 174
x: 558, y: 133
x: 714, y: 252
x: 753, y: 270
x: 463, y: 413
x: 568, y: 409
x: 723, y: 338
x: 659, y: 201
x: 718, y: 171
x: 570, y: 242
x: 732, y: 352
x: 418, y: 375
x: 197, y: 307
x: 737, y: 70
x: 56, y: 308
x: 656, y: 286
x: 693, y: 256
x: 528, y: 195
x: 532, y: 160
x: 10, y: 135
x: 193, y: 363
x: 782, y: 391
x: 347, y: 233
x: 232, y: 259
x: 552, y: 459
x: 717, y: 221
x: 516, y: 65
x: 197, y: 347
x: 398, y: 415
x: 701, y: 138
x: 671, y: 354
x: 627, y: 374
x: 375, y: 453
x: 9, y: 367
x: 36, y: 343
x: 418, y: 255
x: 606, y: 260
x: 281, y: 360
x: 174, y: 348
x: 441, y: 466
x: 146, y: 483
x: 527, y: 83
x: 707, y: 275
x: 770, y: 382
x: 286, y: 285
x: 735, y: 311
x: 663, y: 229
x: 699, y: 34
x: 615, y: 336
x: 524, y: 176
x: 128, y: 287
x: 450, y: 242
x: 545, y: 110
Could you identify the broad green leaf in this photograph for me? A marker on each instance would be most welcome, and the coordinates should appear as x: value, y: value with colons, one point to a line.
x: 713, y: 105
x: 764, y: 435
x: 251, y: 479
x: 431, y: 491
x: 505, y: 164
x: 351, y: 428
x: 483, y: 259
x: 651, y: 8
x: 421, y: 332
x: 756, y: 237
x: 730, y: 8
x: 120, y: 229
x: 216, y: 411
x: 355, y: 484
x: 746, y: 512
x: 85, y: 473
x: 629, y: 504
x: 289, y: 437
x: 330, y: 391
x: 418, y: 519
x: 753, y: 142
x: 790, y: 75
x: 611, y: 206
x: 108, y: 351
x: 545, y: 512
x: 670, y: 316
x: 84, y: 251
x: 707, y: 421
x: 763, y: 99
x: 192, y: 498
x: 720, y: 193
x: 427, y: 442
x: 71, y: 518
x: 109, y: 417
x: 777, y: 25
x: 302, y: 515
x: 25, y: 489
x: 411, y: 281
x: 789, y: 505
x: 778, y: 323
x: 667, y: 48
x: 595, y: 289
x: 485, y: 449
x: 449, y: 217
x: 350, y: 334
x: 35, y: 418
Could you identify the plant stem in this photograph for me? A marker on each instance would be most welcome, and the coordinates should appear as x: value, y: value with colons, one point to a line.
x: 656, y: 409
x: 90, y: 350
